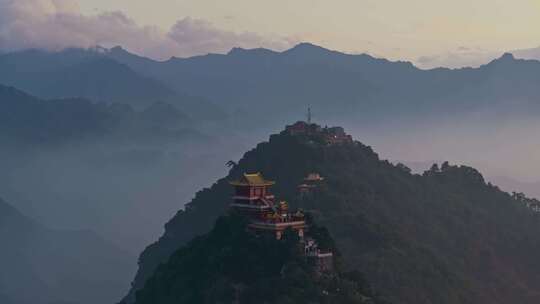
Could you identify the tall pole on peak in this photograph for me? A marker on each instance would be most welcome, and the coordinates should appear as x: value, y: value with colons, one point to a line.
x: 309, y: 115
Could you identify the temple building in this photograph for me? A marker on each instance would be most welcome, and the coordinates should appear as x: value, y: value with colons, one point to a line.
x: 327, y: 135
x: 337, y: 136
x: 253, y: 198
x: 311, y: 182
x: 303, y: 128
x: 324, y: 259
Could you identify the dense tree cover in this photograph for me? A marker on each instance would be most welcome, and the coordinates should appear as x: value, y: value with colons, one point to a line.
x: 232, y: 265
x: 531, y: 203
x: 443, y: 237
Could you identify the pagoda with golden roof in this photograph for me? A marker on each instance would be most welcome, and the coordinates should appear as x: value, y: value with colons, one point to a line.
x: 253, y: 199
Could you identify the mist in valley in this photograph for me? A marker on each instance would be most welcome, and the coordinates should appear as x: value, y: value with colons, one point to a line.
x: 113, y: 117
x: 122, y: 194
x: 125, y: 193
x: 115, y: 173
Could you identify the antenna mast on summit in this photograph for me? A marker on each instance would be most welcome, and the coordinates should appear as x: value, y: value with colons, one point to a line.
x: 309, y: 115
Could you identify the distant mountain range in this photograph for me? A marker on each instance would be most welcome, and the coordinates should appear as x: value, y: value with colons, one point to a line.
x: 27, y: 120
x: 77, y: 73
x: 141, y: 105
x: 261, y: 86
x: 351, y: 87
x: 73, y: 163
x: 44, y: 266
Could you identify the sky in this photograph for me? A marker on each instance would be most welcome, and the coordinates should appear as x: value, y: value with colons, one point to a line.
x: 427, y: 32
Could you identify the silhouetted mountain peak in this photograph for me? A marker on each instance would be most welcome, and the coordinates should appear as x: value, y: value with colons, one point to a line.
x: 507, y: 56
x: 363, y: 200
x: 119, y: 51
x: 308, y: 49
x: 504, y: 59
x: 237, y: 51
x: 118, y: 48
x: 303, y: 46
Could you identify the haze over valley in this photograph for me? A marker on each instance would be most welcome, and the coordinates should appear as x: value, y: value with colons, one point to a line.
x: 104, y: 139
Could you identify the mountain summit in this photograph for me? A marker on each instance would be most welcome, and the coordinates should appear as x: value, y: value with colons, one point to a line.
x: 445, y: 236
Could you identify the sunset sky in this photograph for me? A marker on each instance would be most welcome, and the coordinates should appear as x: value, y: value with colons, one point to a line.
x: 427, y: 32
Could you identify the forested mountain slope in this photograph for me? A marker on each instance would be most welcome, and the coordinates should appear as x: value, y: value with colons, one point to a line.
x: 442, y: 237
x: 232, y: 265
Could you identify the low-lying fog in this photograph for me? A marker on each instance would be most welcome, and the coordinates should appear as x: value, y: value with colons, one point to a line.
x: 127, y: 193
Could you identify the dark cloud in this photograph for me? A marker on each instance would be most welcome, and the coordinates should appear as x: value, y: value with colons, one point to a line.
x: 57, y: 24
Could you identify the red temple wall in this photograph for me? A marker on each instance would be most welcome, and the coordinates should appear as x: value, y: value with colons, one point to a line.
x: 251, y: 191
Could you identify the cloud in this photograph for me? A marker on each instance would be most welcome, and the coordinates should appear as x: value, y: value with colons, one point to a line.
x: 194, y: 35
x: 528, y: 53
x: 427, y: 60
x: 471, y: 57
x: 461, y: 57
x: 57, y: 24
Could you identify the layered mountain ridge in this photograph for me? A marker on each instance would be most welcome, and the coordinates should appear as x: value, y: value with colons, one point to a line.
x: 356, y: 88
x: 27, y: 120
x: 56, y: 266
x: 339, y: 84
x: 257, y: 90
x: 90, y: 74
